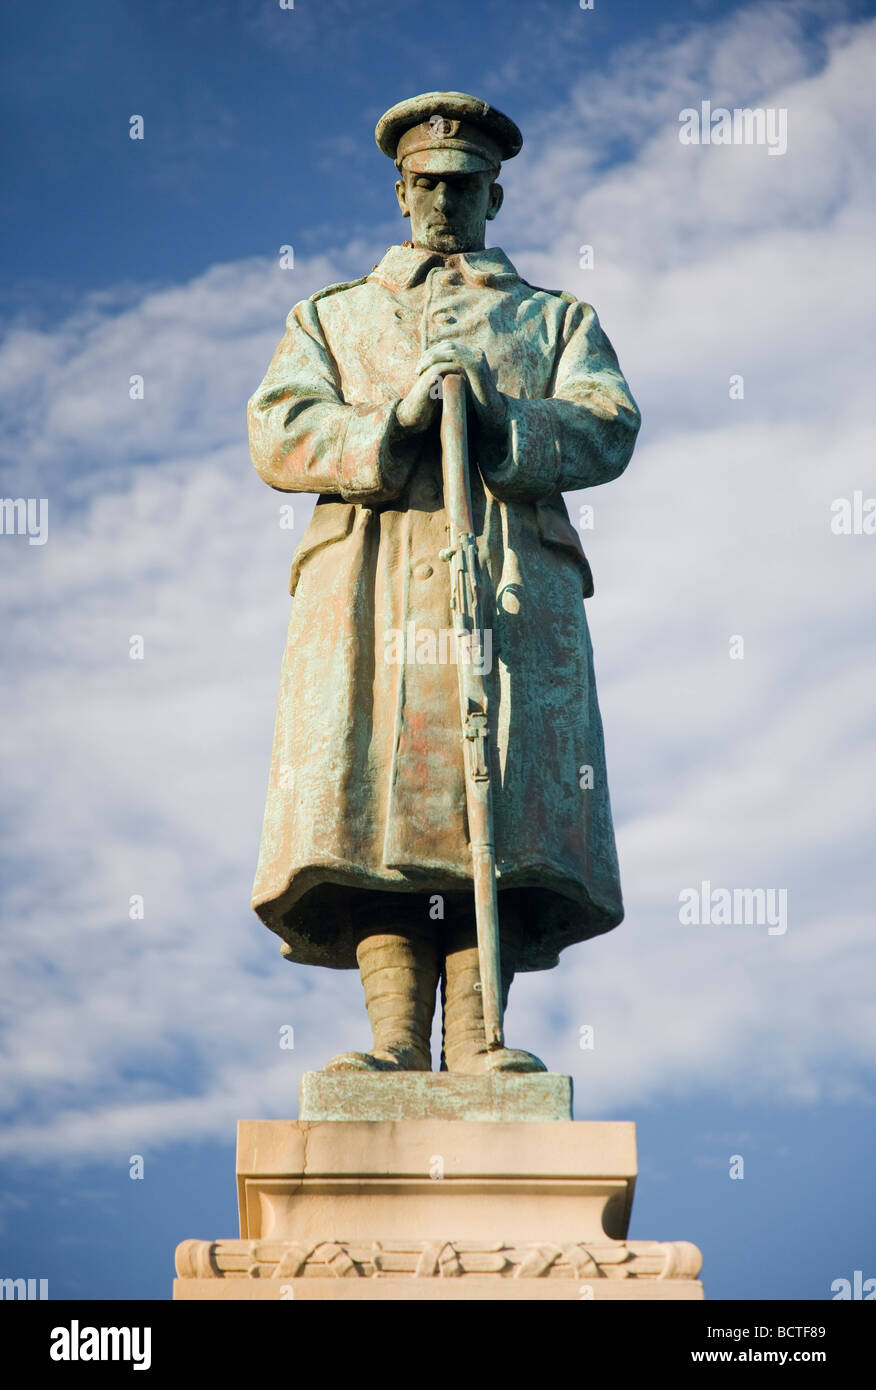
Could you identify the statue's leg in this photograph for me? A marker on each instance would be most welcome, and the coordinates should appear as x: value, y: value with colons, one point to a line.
x: 465, y: 1047
x: 400, y: 969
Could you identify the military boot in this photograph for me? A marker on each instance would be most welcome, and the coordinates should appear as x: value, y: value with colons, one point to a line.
x: 400, y: 972
x: 465, y: 1046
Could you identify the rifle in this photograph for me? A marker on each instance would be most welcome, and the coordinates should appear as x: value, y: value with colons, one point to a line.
x: 466, y: 609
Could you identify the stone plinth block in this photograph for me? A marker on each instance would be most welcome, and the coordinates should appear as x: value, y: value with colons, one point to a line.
x: 384, y: 1180
x: 421, y: 1206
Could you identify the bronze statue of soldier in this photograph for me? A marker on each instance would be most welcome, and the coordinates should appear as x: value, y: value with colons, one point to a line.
x: 366, y: 851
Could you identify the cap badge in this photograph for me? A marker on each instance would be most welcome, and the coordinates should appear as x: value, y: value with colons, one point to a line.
x: 440, y: 127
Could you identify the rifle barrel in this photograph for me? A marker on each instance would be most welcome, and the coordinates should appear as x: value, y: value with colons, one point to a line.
x: 466, y: 608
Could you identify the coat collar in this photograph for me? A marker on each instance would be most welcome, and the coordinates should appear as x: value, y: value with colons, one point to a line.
x: 405, y: 266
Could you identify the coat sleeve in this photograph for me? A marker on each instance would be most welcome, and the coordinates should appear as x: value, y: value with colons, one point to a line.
x: 303, y: 435
x: 582, y: 433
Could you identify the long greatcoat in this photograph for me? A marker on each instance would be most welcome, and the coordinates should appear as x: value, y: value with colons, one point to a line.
x: 366, y: 785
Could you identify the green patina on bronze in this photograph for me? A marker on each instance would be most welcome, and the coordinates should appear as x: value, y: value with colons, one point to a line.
x: 500, y: 1098
x: 366, y: 793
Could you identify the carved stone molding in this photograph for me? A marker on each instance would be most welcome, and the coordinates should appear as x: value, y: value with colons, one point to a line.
x: 450, y: 1259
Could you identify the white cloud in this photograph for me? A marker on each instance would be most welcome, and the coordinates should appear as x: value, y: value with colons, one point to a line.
x: 147, y: 777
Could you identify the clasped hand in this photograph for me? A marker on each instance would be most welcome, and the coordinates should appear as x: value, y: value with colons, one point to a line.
x: 420, y: 406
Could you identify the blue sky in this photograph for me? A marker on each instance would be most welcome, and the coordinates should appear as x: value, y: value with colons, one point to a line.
x: 259, y: 119
x: 160, y: 258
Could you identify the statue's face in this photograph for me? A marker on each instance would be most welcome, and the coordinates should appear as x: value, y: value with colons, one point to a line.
x: 449, y: 211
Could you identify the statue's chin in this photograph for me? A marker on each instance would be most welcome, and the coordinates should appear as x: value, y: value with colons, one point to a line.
x: 447, y: 243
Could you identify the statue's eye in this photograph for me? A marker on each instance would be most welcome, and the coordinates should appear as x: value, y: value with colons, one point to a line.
x: 424, y: 183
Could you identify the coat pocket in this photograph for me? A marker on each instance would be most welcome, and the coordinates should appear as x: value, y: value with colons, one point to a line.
x: 556, y: 529
x: 331, y: 521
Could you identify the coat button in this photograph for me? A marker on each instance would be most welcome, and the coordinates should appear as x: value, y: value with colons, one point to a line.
x: 422, y: 570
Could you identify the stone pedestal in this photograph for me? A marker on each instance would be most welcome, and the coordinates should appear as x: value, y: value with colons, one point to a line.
x: 429, y: 1186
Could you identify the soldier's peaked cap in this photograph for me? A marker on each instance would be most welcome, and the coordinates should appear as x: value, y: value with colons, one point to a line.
x: 447, y: 129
